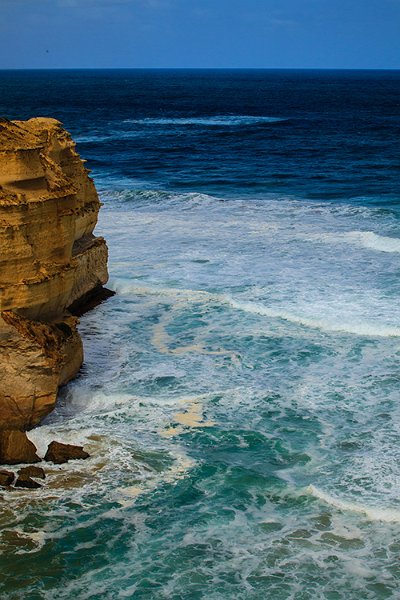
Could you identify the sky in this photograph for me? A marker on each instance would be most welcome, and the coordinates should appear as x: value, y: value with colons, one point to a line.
x: 362, y: 34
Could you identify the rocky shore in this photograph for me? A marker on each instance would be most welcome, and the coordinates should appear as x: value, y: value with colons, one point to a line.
x: 52, y: 268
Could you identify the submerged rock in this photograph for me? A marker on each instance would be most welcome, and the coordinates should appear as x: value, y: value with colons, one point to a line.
x: 15, y: 448
x: 6, y: 478
x: 61, y: 453
x: 32, y: 472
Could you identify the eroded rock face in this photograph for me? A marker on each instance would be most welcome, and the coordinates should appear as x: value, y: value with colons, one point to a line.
x: 49, y: 261
x: 6, y: 478
x: 15, y: 448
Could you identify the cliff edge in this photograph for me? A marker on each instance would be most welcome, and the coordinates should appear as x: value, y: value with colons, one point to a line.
x: 50, y: 264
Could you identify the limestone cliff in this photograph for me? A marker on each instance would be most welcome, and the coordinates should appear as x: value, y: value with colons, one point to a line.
x: 49, y: 261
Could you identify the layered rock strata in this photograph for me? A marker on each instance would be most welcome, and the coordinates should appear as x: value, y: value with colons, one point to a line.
x: 49, y: 261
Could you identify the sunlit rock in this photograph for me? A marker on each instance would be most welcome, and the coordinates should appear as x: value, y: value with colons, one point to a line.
x: 49, y: 261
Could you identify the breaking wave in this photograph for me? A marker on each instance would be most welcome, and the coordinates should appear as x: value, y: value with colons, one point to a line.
x: 217, y: 121
x: 388, y: 515
x: 363, y: 329
x: 369, y: 239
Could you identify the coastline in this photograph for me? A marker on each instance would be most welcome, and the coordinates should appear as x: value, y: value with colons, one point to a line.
x: 239, y: 395
x: 50, y: 263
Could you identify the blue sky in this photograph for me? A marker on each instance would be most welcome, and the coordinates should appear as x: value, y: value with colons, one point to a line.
x: 200, y: 33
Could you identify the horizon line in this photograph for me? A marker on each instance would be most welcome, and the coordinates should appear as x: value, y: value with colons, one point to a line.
x: 199, y: 69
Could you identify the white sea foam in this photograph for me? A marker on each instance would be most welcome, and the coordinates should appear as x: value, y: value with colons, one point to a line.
x: 388, y: 515
x: 363, y: 329
x: 163, y: 200
x: 372, y: 240
x: 127, y: 287
x: 364, y: 239
x: 37, y: 538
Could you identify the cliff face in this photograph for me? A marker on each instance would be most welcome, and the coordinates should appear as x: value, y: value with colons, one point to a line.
x: 49, y: 260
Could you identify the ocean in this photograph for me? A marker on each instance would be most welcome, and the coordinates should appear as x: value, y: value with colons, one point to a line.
x: 240, y: 393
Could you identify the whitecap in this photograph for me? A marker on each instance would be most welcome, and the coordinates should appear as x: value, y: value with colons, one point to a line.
x: 363, y: 239
x: 372, y: 240
x: 360, y: 328
x: 127, y: 287
x: 388, y: 515
x: 216, y: 121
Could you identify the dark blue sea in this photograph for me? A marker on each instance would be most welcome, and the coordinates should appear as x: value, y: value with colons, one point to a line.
x: 240, y: 393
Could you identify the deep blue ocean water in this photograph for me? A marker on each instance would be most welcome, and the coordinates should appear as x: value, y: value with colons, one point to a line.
x: 240, y: 393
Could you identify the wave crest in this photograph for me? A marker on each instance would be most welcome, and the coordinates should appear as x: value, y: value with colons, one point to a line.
x: 215, y: 121
x: 372, y: 240
x: 363, y: 329
x: 388, y: 515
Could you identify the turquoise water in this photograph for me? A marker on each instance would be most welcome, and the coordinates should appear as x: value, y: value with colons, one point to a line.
x: 239, y: 400
x: 239, y: 397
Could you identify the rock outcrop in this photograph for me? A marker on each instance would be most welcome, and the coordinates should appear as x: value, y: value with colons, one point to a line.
x: 32, y: 471
x: 59, y: 453
x: 15, y: 448
x: 24, y: 481
x: 50, y: 261
x: 6, y: 478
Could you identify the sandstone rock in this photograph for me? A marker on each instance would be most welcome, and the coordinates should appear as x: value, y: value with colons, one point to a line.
x: 49, y: 261
x: 26, y: 482
x: 32, y: 472
x: 6, y: 478
x: 15, y: 448
x: 61, y: 453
